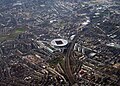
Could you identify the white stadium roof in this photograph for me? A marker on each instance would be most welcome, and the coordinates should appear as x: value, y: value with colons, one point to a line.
x: 59, y: 42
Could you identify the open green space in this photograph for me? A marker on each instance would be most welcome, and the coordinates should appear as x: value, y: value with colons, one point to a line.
x: 12, y: 35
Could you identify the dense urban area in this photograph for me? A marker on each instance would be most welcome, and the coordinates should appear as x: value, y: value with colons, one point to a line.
x: 59, y: 43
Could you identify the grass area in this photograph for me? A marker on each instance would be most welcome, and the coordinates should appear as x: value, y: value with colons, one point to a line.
x: 55, y: 61
x: 19, y: 30
x: 12, y: 35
